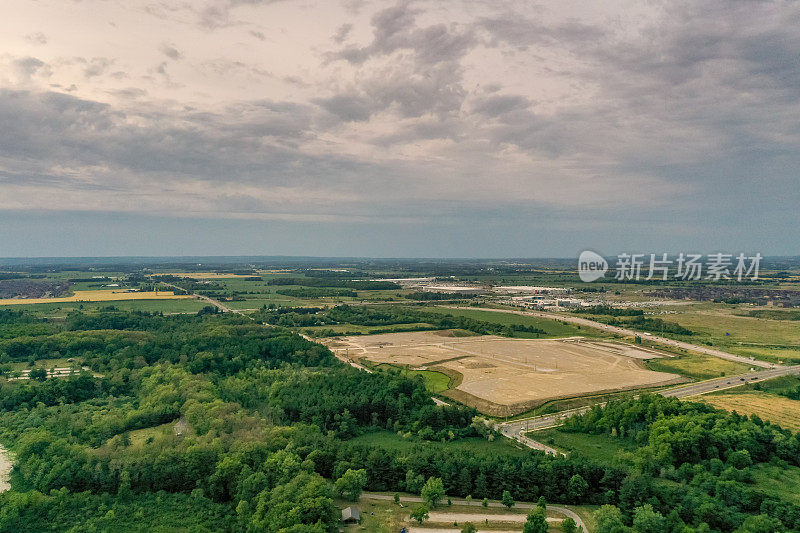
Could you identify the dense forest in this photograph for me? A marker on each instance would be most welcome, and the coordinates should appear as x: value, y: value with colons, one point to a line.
x: 214, y: 422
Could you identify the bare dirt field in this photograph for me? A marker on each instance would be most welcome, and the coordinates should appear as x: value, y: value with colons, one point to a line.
x: 502, y: 376
x: 98, y: 296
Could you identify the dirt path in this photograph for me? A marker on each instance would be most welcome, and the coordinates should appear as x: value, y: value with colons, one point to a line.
x: 558, y: 509
x: 440, y: 516
x: 5, y: 469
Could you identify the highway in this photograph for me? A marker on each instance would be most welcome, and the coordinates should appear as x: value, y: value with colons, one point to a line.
x: 516, y: 430
x: 585, y: 322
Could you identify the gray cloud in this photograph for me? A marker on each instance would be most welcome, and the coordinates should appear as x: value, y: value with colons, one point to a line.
x: 394, y: 29
x: 170, y: 51
x: 27, y: 67
x: 498, y: 112
x: 342, y: 32
x: 496, y: 105
x: 36, y: 38
x: 97, y: 66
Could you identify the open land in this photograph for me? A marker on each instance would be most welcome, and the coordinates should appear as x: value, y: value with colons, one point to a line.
x: 99, y: 296
x: 507, y: 375
x: 770, y: 407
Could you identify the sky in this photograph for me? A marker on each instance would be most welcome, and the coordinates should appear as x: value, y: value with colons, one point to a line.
x: 398, y: 129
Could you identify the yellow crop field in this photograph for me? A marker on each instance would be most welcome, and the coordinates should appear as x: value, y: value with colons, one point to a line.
x: 771, y: 407
x: 98, y: 296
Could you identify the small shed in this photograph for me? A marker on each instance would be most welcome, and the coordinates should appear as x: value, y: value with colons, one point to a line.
x: 351, y: 515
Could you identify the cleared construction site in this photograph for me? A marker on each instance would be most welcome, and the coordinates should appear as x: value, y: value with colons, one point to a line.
x: 504, y: 376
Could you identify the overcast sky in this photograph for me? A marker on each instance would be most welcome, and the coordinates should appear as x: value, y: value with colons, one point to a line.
x: 440, y: 128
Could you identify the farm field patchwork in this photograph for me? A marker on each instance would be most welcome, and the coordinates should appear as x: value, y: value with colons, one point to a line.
x: 509, y: 375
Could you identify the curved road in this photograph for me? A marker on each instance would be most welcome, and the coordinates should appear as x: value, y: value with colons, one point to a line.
x: 516, y: 430
x: 519, y: 505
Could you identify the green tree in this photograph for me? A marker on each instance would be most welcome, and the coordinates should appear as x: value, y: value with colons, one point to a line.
x: 39, y: 374
x: 760, y: 524
x: 541, y: 503
x: 576, y: 488
x: 351, y: 484
x: 124, y: 489
x: 397, y: 498
x: 468, y: 499
x: 433, y: 491
x: 420, y: 513
x: 485, y: 502
x: 568, y: 525
x: 469, y: 527
x: 507, y: 500
x: 608, y: 519
x: 536, y: 522
x: 647, y: 520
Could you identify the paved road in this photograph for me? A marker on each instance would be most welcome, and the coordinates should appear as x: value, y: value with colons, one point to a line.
x: 516, y: 430
x: 518, y: 505
x: 216, y: 303
x: 624, y: 331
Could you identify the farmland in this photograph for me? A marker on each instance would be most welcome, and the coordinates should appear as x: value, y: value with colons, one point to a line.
x: 107, y: 295
x: 768, y: 407
x: 507, y: 376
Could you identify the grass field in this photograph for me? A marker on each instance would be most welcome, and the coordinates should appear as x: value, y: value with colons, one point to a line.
x: 477, y: 446
x: 781, y: 482
x: 769, y: 407
x: 188, y: 305
x: 598, y: 447
x: 61, y: 362
x: 206, y: 275
x: 344, y: 329
x: 724, y: 326
x: 553, y: 328
x: 435, y: 382
x: 697, y: 366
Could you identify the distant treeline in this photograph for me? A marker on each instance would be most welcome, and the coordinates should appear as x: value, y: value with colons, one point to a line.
x: 775, y: 314
x: 386, y: 316
x: 425, y: 295
x: 636, y: 320
x: 343, y: 283
x: 317, y: 292
x: 607, y: 310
